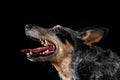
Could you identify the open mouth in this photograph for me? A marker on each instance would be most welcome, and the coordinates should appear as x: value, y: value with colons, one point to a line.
x: 47, y: 49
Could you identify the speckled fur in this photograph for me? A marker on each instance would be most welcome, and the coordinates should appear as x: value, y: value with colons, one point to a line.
x: 77, y: 58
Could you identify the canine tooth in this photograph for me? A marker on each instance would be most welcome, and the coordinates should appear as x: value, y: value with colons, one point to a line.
x: 42, y: 42
x: 30, y: 53
x: 27, y: 54
x: 46, y: 43
x: 43, y: 52
x: 45, y: 40
x: 47, y: 51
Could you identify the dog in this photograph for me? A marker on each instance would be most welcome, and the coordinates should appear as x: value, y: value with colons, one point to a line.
x: 73, y: 53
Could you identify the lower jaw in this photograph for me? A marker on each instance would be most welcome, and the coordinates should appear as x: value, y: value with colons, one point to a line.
x: 41, y: 58
x: 39, y: 55
x: 44, y: 56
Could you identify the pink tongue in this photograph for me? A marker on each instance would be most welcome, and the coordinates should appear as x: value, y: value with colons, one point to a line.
x: 37, y: 50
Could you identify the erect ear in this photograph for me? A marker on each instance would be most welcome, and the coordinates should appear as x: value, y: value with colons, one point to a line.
x: 92, y: 35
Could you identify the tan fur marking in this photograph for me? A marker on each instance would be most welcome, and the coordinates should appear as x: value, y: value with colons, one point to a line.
x: 90, y: 37
x: 69, y: 46
x: 62, y: 64
x: 64, y: 67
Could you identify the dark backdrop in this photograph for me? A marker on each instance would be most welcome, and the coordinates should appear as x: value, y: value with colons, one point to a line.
x: 45, y: 71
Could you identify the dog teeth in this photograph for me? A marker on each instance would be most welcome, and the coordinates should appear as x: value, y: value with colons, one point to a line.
x: 45, y: 52
x: 46, y: 43
x: 27, y: 54
x: 30, y: 53
x: 42, y: 42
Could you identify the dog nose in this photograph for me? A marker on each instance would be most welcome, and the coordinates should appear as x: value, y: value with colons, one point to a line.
x: 28, y: 26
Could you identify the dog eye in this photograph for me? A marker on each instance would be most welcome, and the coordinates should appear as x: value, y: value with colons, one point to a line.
x: 82, y: 34
x: 57, y: 29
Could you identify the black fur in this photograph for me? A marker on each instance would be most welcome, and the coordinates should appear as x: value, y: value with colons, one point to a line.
x: 89, y: 62
x: 93, y: 63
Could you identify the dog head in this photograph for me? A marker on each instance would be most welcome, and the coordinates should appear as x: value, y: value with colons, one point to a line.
x: 58, y: 42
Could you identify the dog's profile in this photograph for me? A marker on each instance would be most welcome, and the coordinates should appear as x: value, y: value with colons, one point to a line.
x: 73, y: 53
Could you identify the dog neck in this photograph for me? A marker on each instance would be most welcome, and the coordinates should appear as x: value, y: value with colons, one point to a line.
x: 64, y: 68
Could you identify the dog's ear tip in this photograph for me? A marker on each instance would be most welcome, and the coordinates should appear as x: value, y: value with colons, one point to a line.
x: 86, y: 28
x: 106, y: 30
x: 92, y: 35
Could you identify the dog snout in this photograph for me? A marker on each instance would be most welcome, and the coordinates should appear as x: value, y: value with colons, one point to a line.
x: 28, y: 26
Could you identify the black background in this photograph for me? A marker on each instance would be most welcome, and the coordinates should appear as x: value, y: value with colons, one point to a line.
x: 15, y: 15
x: 14, y: 18
x: 44, y: 70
